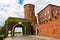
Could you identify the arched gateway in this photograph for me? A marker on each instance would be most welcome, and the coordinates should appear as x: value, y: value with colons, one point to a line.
x: 15, y: 23
x: 23, y: 30
x: 18, y: 30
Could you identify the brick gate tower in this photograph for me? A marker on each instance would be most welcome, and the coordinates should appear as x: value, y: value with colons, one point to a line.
x: 29, y: 13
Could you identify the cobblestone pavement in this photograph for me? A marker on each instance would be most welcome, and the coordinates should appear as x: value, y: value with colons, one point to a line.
x: 29, y: 38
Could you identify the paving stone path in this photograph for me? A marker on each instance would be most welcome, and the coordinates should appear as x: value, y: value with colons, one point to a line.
x: 29, y: 38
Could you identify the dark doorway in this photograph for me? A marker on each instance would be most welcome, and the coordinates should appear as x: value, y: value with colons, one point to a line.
x: 32, y: 30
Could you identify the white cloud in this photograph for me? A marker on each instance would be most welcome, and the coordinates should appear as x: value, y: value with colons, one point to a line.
x: 11, y: 8
x: 55, y: 2
x: 39, y: 4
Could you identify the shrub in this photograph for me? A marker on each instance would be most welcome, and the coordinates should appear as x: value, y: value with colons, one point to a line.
x: 1, y: 36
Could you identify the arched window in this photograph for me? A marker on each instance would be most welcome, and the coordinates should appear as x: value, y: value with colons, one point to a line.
x: 55, y: 17
x: 37, y: 31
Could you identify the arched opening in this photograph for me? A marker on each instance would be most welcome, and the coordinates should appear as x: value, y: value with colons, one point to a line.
x: 37, y: 31
x: 18, y: 30
x: 32, y: 30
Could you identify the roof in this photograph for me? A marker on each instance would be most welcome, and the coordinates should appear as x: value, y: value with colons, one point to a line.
x: 47, y: 6
x: 16, y: 19
x: 29, y: 4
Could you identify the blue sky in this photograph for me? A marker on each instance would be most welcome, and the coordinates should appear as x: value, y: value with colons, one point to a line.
x: 14, y: 8
x: 18, y: 29
x: 21, y: 1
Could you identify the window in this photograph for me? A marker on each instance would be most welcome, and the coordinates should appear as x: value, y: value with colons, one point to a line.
x: 45, y: 14
x: 41, y: 20
x: 31, y: 8
x: 28, y: 8
x: 56, y: 11
x: 45, y: 18
x: 42, y: 15
x: 9, y: 31
x: 49, y: 17
x: 19, y: 22
x: 44, y: 21
x: 59, y: 12
x: 30, y: 14
x: 48, y: 12
x: 58, y: 8
x: 55, y: 17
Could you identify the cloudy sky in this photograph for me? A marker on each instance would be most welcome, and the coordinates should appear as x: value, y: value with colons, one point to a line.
x: 14, y: 8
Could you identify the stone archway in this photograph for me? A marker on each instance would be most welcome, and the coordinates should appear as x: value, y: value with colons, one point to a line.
x: 19, y: 25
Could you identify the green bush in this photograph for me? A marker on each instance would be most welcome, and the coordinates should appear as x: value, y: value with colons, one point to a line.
x: 1, y: 36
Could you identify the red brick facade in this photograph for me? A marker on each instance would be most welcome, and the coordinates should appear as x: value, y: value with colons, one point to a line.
x: 29, y: 13
x: 48, y: 13
x: 49, y: 21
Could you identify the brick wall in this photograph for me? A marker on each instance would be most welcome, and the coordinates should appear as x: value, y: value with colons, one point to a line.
x: 50, y: 29
x: 29, y: 13
x: 48, y: 13
x: 44, y: 14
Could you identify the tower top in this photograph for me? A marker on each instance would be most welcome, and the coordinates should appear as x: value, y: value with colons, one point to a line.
x: 29, y: 5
